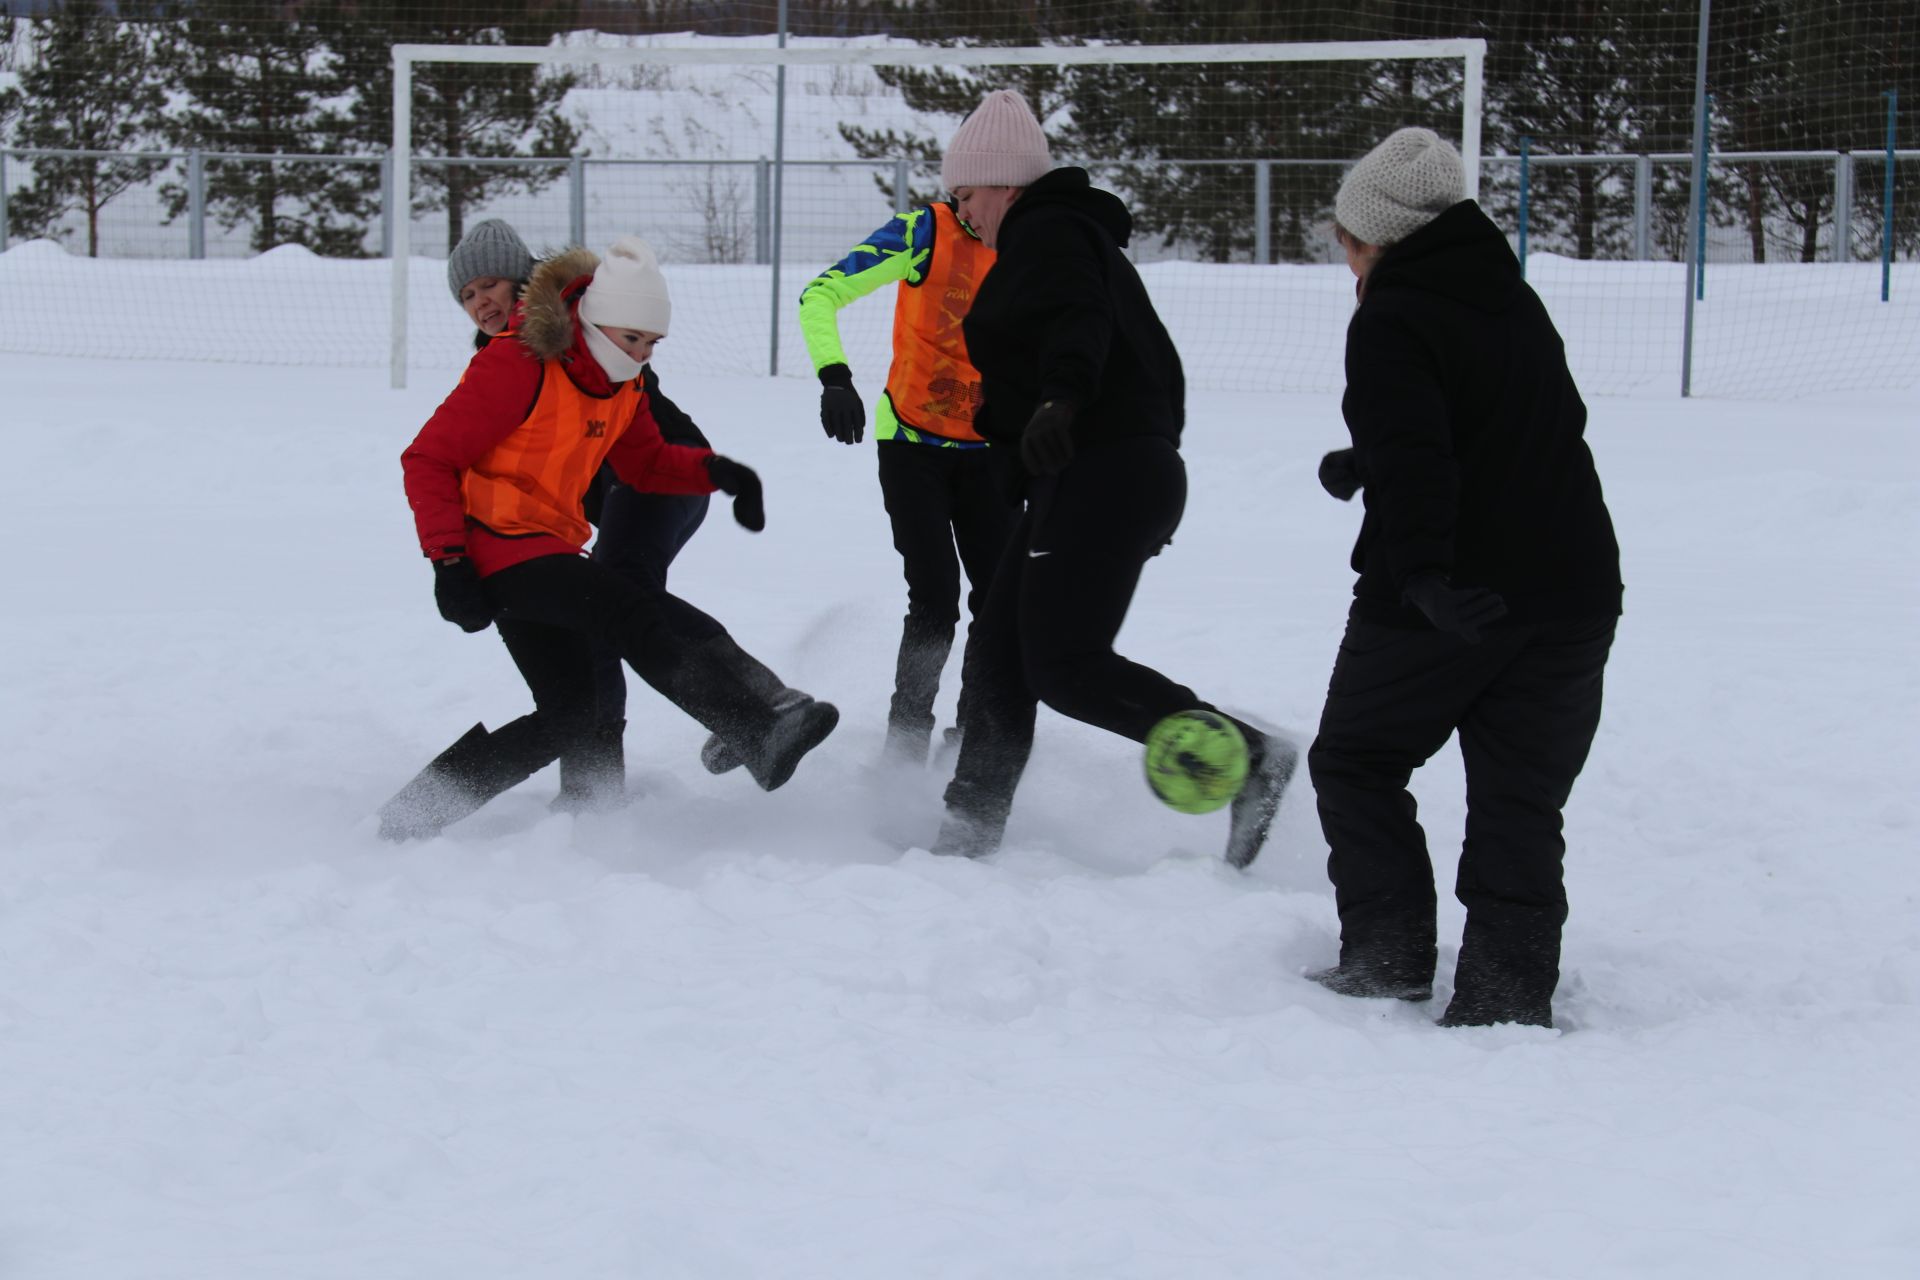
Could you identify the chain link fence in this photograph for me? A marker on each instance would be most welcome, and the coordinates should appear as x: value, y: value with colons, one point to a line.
x: 1794, y: 239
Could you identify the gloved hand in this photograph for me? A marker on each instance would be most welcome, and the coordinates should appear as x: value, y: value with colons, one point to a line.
x: 842, y: 415
x: 739, y: 482
x: 1046, y: 446
x: 1463, y: 611
x: 457, y: 590
x: 1340, y: 474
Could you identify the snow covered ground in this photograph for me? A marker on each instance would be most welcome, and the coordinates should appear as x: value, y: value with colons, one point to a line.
x: 722, y: 1034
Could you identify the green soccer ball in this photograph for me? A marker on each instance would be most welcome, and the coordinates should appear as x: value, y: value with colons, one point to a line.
x: 1196, y: 761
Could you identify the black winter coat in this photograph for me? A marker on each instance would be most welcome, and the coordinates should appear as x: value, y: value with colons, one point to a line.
x: 1063, y: 315
x: 1469, y: 432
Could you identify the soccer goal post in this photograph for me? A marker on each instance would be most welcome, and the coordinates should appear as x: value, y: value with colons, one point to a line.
x: 1183, y: 224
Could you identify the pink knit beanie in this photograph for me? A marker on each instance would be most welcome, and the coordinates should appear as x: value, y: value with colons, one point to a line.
x: 999, y: 145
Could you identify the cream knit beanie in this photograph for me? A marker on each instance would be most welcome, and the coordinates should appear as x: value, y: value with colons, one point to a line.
x: 628, y: 291
x: 1399, y: 187
x: 999, y: 145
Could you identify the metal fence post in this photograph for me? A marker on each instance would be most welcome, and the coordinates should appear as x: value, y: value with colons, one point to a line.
x: 1643, y: 208
x: 1696, y: 251
x: 1886, y: 203
x: 1843, y: 207
x: 902, y: 184
x: 196, y: 204
x: 1706, y: 198
x: 1526, y: 189
x: 386, y: 205
x: 1262, y: 212
x: 762, y: 183
x: 577, y: 200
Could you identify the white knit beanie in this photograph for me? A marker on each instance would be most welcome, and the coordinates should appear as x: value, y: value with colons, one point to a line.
x: 1399, y: 187
x: 999, y: 145
x: 628, y: 291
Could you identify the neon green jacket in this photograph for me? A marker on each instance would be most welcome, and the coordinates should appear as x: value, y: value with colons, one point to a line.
x: 897, y: 253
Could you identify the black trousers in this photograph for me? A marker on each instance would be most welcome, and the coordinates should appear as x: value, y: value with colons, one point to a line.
x: 1047, y: 629
x: 557, y: 613
x: 1526, y: 704
x: 640, y: 534
x: 940, y: 501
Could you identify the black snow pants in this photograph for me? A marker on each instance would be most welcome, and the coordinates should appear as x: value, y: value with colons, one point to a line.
x: 1046, y: 631
x: 938, y: 500
x: 555, y: 613
x: 1526, y: 703
x: 640, y: 534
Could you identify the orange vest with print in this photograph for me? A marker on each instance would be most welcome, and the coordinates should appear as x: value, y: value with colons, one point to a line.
x: 932, y: 384
x: 533, y: 481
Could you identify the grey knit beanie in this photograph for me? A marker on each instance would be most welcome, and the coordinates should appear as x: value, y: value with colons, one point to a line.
x: 490, y: 248
x: 1399, y: 187
x: 999, y: 145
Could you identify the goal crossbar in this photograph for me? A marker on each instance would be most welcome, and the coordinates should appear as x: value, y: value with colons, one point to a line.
x: 1471, y: 52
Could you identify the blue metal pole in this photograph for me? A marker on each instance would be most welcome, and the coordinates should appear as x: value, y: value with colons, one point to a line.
x: 1699, y: 194
x: 774, y: 308
x: 1706, y: 184
x: 1526, y: 151
x: 1886, y: 204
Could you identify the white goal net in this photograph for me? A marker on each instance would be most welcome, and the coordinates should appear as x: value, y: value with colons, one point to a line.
x: 754, y: 169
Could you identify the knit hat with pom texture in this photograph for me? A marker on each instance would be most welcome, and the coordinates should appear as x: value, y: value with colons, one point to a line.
x: 628, y: 291
x: 999, y: 145
x: 1399, y: 187
x: 490, y: 248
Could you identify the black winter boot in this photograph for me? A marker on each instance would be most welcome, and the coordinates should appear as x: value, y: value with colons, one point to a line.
x: 797, y: 729
x: 1372, y: 981
x: 1472, y: 1013
x: 723, y: 687
x: 466, y: 775
x: 716, y: 754
x: 975, y: 822
x: 916, y: 682
x: 593, y: 771
x: 1271, y: 760
x: 962, y: 836
x: 1509, y: 968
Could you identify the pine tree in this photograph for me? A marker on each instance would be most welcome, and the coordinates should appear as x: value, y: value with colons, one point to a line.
x: 9, y: 98
x: 1804, y: 75
x: 89, y: 85
x: 1225, y: 116
x: 459, y: 109
x: 262, y: 80
x: 1588, y: 78
x: 954, y: 94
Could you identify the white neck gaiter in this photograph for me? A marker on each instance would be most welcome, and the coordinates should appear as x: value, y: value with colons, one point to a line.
x: 616, y: 363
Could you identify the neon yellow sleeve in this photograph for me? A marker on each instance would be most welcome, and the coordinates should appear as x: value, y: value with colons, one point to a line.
x: 895, y: 253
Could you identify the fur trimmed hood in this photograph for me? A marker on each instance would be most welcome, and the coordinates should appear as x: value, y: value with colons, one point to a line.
x: 548, y: 302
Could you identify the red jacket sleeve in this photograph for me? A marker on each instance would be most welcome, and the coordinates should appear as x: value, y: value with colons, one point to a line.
x: 648, y: 463
x: 495, y: 395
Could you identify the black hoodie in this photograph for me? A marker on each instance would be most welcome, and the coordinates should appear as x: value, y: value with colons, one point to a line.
x: 1469, y: 432
x: 1063, y: 315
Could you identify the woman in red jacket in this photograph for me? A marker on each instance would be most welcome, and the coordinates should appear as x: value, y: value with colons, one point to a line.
x: 496, y: 478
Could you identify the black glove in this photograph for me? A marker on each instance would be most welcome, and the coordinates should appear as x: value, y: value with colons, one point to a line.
x: 1463, y: 611
x: 457, y: 590
x: 749, y: 504
x: 1046, y: 446
x: 1340, y: 474
x: 842, y: 415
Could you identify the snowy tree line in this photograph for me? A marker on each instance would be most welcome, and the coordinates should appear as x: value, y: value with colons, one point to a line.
x: 1591, y: 77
